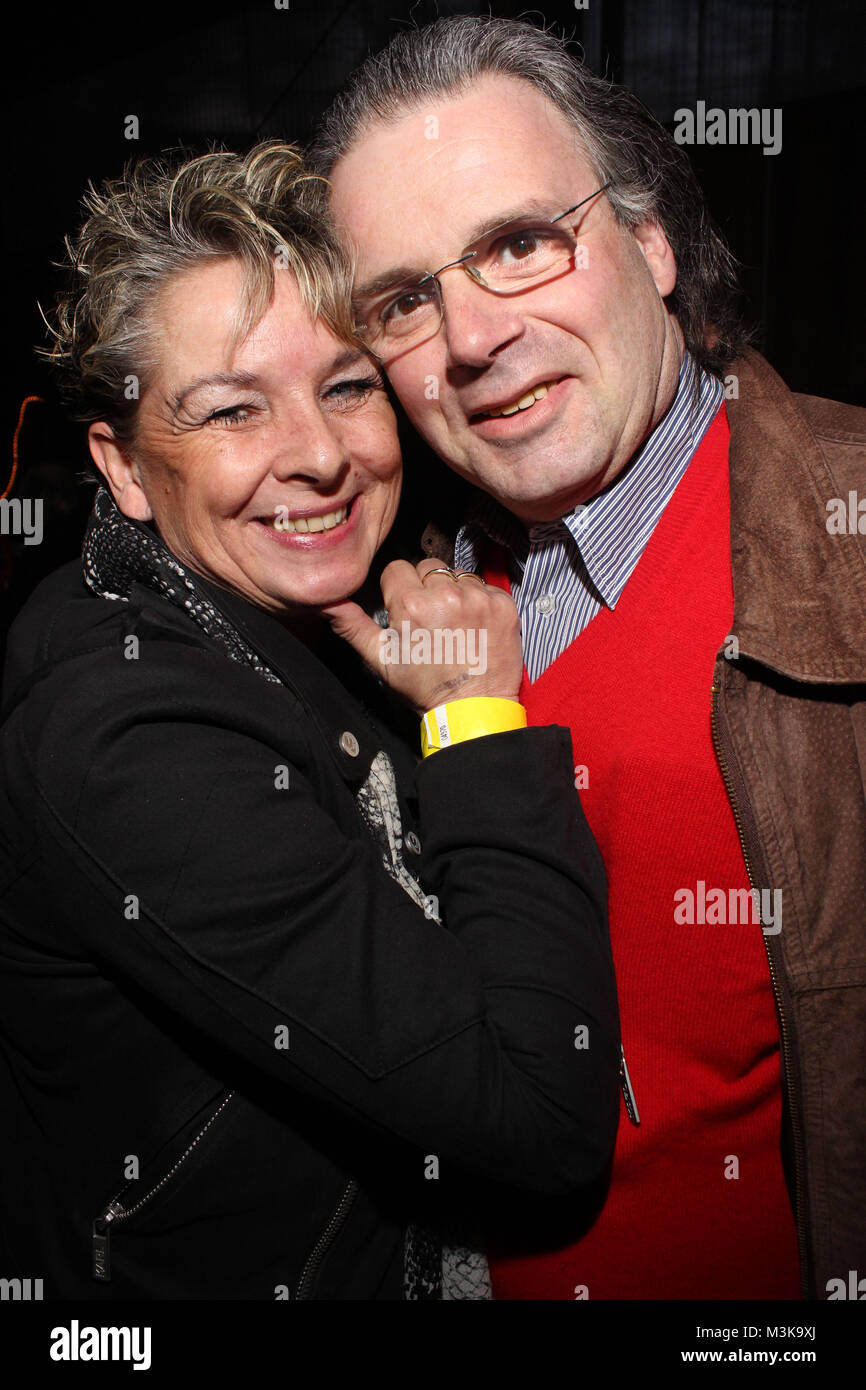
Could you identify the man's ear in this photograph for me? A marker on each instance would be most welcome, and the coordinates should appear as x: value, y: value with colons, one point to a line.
x: 659, y: 256
x: 119, y: 471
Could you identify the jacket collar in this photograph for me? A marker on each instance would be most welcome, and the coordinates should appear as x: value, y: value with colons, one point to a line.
x: 345, y: 726
x: 799, y: 591
x: 127, y: 560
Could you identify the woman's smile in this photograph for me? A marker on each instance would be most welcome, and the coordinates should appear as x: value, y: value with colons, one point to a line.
x: 310, y: 530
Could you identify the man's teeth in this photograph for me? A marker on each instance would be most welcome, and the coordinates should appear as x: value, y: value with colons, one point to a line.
x: 523, y: 403
x: 305, y: 524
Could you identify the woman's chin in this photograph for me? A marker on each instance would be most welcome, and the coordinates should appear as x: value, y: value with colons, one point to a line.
x: 313, y: 600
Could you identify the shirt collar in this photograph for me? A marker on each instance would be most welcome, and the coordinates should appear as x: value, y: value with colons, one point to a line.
x: 611, y: 530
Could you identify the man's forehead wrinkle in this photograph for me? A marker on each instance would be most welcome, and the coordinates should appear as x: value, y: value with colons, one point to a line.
x: 465, y: 155
x: 443, y: 147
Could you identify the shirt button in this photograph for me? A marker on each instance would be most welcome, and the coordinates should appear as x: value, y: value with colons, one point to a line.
x: 350, y: 744
x: 545, y: 604
x: 412, y: 842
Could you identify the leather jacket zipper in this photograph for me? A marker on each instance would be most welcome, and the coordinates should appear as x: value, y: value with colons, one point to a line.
x: 787, y: 1058
x: 628, y: 1094
x: 326, y: 1239
x: 115, y: 1213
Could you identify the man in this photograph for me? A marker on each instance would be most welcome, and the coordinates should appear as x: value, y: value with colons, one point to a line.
x: 537, y: 270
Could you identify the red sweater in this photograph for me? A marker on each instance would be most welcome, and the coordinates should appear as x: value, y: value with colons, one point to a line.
x: 696, y: 1002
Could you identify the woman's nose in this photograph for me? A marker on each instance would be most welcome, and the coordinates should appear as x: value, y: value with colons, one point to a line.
x: 313, y: 451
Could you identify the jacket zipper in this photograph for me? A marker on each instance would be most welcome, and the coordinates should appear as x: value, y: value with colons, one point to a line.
x: 799, y: 1187
x: 326, y: 1239
x: 628, y: 1094
x: 115, y: 1213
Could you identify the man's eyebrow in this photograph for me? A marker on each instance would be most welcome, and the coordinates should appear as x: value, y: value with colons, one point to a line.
x: 410, y: 275
x: 534, y: 207
x: 389, y: 280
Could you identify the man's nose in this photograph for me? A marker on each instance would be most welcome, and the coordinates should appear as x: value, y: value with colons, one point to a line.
x: 478, y: 323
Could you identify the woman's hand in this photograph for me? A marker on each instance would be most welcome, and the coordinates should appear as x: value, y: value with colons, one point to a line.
x: 447, y: 639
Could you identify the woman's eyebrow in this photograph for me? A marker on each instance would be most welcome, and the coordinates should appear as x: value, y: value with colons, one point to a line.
x: 238, y: 379
x: 247, y: 380
x: 347, y: 358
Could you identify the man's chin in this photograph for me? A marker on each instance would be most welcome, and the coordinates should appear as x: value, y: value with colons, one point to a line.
x: 538, y: 500
x: 543, y: 481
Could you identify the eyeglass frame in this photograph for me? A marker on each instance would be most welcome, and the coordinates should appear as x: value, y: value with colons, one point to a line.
x: 475, y: 275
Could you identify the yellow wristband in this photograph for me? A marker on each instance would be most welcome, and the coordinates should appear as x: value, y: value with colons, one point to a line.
x: 470, y: 718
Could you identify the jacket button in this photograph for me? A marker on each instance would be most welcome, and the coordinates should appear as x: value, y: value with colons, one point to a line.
x: 350, y: 744
x: 412, y: 842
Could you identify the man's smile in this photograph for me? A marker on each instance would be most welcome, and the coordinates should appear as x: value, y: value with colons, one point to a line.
x: 528, y: 412
x: 524, y: 401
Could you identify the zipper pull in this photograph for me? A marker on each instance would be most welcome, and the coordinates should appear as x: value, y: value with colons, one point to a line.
x: 627, y: 1092
x: 101, y: 1263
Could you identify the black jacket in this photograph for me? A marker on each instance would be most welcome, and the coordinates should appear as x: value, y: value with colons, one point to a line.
x: 208, y: 978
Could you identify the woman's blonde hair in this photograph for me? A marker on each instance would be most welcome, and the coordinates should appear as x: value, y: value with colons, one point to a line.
x: 169, y: 214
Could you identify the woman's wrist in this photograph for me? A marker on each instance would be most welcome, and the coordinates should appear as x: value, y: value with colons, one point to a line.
x: 472, y: 717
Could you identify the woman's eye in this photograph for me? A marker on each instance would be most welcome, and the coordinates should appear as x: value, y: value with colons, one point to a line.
x: 356, y: 389
x: 229, y: 415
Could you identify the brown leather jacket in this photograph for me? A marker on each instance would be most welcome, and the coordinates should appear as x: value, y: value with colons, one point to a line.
x: 789, y: 724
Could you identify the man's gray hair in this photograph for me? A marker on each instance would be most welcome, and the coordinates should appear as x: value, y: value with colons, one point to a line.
x: 650, y: 175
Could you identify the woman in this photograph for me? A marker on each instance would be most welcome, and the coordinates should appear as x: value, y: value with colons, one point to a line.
x: 270, y: 992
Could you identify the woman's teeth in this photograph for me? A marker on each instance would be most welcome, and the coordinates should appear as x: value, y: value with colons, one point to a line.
x: 305, y: 524
x: 523, y: 403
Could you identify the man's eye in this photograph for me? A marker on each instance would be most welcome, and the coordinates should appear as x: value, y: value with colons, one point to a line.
x: 520, y: 246
x: 408, y: 303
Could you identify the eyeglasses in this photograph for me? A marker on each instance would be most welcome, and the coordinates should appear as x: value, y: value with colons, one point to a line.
x: 507, y: 260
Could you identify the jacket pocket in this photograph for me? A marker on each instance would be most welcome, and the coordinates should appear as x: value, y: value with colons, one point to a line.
x: 119, y: 1209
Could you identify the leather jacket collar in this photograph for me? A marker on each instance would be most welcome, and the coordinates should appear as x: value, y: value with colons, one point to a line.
x: 799, y: 591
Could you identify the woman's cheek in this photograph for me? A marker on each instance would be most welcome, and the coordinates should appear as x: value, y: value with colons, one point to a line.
x: 376, y: 448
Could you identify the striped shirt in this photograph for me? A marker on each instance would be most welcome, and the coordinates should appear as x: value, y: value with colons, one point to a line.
x: 563, y: 572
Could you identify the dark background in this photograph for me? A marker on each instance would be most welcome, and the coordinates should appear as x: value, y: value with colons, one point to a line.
x: 195, y: 73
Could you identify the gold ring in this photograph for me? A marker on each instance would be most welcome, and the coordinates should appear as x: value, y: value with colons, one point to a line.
x: 443, y: 569
x: 470, y: 574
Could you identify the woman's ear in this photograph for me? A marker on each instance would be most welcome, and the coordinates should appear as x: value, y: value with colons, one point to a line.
x: 119, y: 471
